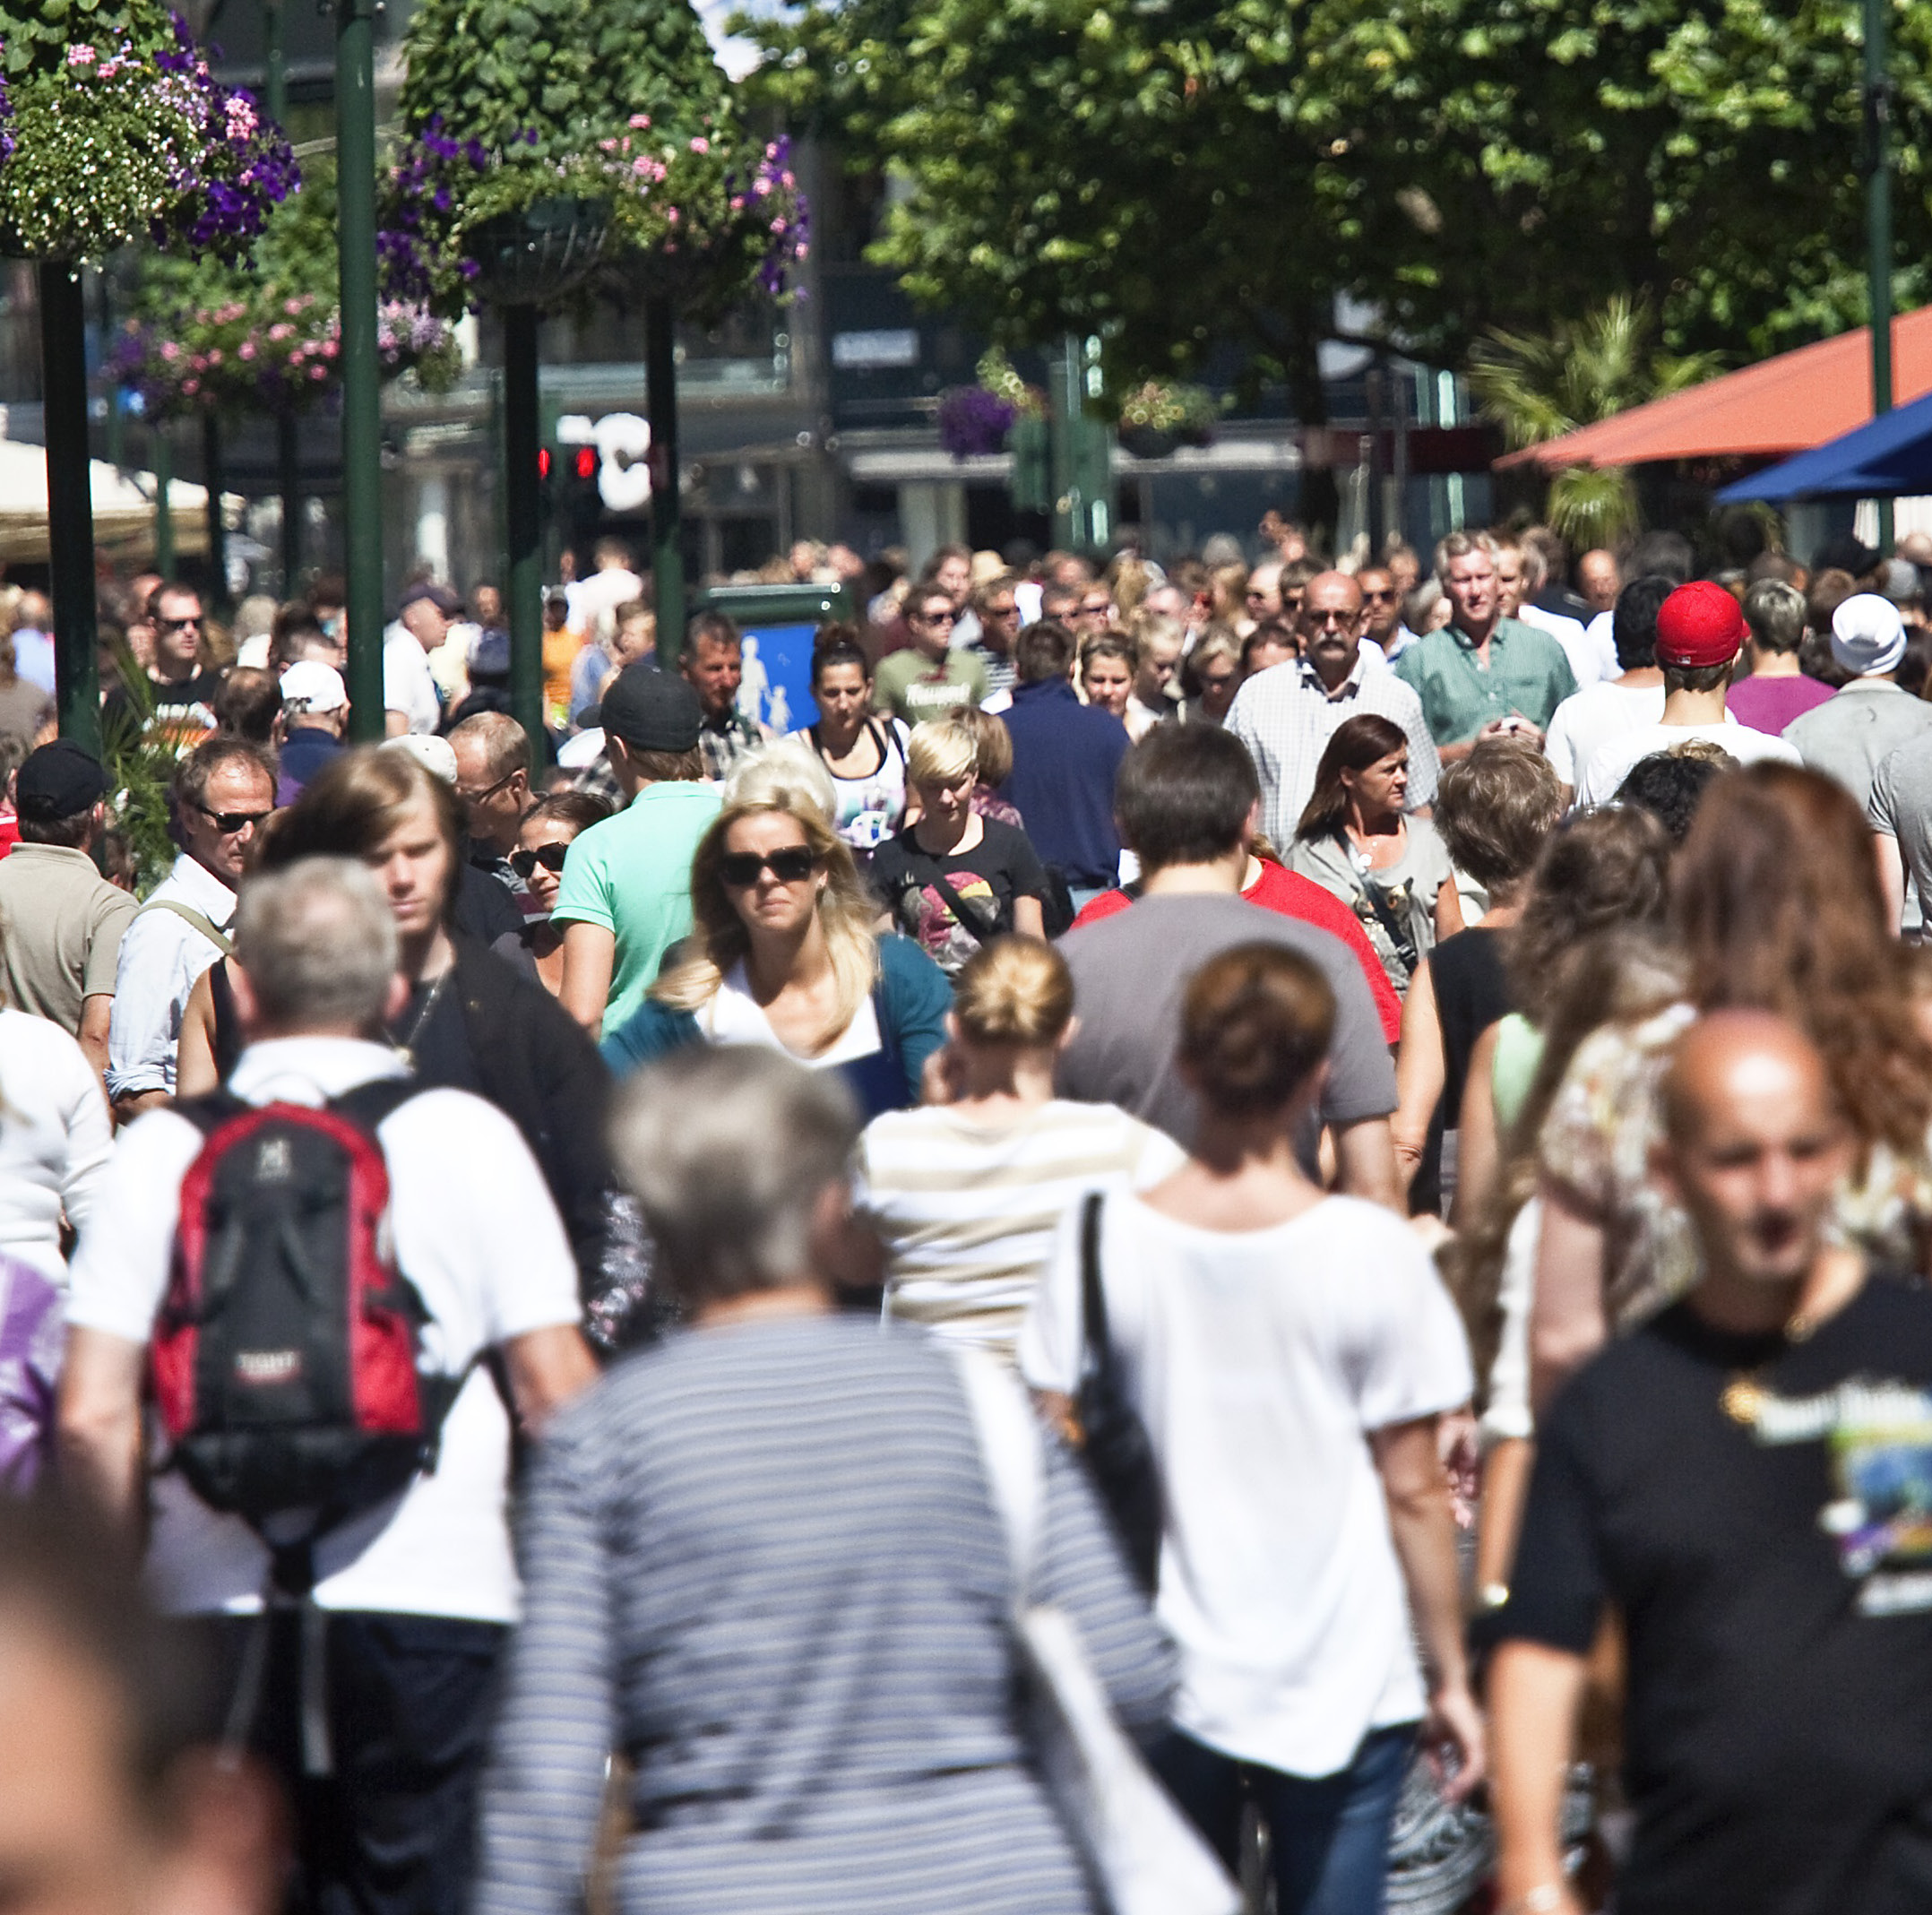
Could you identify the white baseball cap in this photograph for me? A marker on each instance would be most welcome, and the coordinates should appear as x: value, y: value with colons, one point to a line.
x: 437, y: 757
x: 313, y: 685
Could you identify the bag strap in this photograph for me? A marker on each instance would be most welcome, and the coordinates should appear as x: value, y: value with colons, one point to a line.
x: 188, y: 914
x: 370, y: 1104
x: 1097, y: 1346
x: 1392, y: 927
x: 968, y: 919
x: 1013, y: 1457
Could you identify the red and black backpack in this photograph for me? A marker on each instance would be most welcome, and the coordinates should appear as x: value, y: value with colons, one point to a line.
x: 287, y: 1359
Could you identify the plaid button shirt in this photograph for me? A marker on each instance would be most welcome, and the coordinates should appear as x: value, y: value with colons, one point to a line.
x: 1286, y: 716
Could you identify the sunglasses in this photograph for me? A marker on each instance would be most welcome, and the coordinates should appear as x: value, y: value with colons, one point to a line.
x: 1373, y: 596
x: 227, y: 823
x: 791, y: 864
x: 551, y: 857
x: 176, y: 625
x: 935, y: 617
x: 477, y: 797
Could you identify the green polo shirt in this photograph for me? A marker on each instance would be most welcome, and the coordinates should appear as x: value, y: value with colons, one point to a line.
x: 909, y: 686
x: 1527, y: 676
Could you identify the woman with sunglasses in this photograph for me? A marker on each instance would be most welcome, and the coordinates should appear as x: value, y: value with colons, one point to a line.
x: 782, y: 954
x: 544, y: 837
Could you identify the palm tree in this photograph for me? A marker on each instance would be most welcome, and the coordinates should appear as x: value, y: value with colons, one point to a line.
x: 1538, y: 388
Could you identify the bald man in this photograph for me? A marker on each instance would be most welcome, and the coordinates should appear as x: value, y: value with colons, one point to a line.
x: 1287, y: 714
x: 1747, y: 1480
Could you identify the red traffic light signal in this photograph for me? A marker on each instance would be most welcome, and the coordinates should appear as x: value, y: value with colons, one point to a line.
x: 543, y: 462
x: 587, y: 462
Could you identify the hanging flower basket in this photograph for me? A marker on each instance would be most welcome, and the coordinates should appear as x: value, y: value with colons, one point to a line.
x: 541, y: 253
x: 973, y: 421
x: 120, y: 144
x: 702, y: 219
x: 1159, y: 416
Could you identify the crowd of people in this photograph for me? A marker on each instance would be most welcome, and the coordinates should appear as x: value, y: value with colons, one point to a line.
x: 1354, y: 1149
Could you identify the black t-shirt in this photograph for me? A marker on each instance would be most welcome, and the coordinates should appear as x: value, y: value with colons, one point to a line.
x: 1761, y: 1515
x: 184, y: 712
x: 434, y: 1037
x: 986, y: 879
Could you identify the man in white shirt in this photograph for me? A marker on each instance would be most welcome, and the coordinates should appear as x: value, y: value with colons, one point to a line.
x: 593, y: 600
x: 224, y: 792
x: 1519, y: 574
x: 1287, y: 714
x: 411, y: 702
x: 1589, y: 720
x: 415, y: 1594
x: 1700, y: 631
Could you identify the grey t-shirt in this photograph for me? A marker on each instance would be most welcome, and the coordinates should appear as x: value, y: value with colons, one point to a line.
x: 1130, y: 973
x: 1849, y: 736
x: 1900, y: 807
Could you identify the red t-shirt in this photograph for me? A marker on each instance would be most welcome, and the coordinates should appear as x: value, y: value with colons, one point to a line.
x: 1278, y: 889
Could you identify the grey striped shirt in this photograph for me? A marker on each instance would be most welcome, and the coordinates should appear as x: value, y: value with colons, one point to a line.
x: 761, y: 1562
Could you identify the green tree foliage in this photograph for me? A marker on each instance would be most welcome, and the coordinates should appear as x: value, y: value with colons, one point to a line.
x: 1539, y: 386
x: 569, y: 70
x: 1175, y: 172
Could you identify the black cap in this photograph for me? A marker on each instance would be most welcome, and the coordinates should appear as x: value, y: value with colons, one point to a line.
x: 651, y: 709
x: 440, y: 596
x: 58, y: 781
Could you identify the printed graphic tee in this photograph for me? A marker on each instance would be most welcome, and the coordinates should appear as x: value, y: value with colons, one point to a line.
x: 986, y: 879
x: 1760, y: 1513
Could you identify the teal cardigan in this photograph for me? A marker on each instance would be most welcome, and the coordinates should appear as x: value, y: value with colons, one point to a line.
x: 911, y: 999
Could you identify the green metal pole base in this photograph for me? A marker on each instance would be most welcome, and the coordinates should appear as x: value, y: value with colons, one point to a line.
x: 523, y: 514
x: 667, y: 537
x: 70, y: 503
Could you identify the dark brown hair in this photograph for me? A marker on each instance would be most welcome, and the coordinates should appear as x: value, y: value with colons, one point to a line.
x: 1254, y: 1023
x: 578, y: 809
x: 1358, y: 744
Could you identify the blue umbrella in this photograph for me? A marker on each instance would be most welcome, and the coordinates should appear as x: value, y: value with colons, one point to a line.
x: 1887, y: 457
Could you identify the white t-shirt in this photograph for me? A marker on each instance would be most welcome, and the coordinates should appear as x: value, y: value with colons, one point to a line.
x: 1600, y: 775
x: 409, y: 685
x: 1600, y: 634
x: 1260, y: 1361
x: 54, y: 1140
x: 967, y: 1210
x: 1586, y: 664
x: 734, y: 1016
x: 478, y: 1235
x: 1587, y: 721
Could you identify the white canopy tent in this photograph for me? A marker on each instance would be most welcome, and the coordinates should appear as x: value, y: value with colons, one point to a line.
x: 124, y: 508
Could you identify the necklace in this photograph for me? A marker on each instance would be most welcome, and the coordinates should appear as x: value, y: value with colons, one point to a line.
x: 406, y: 1048
x: 1743, y: 1396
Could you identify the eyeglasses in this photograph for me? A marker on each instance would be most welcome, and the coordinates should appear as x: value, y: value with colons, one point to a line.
x: 227, y: 823
x: 177, y: 625
x: 551, y: 857
x: 1373, y: 596
x: 944, y: 618
x: 477, y: 797
x: 790, y: 864
x: 1259, y: 598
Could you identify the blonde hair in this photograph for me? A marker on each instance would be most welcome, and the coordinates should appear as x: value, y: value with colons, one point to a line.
x: 1016, y: 990
x: 718, y: 939
x: 784, y: 775
x: 940, y: 751
x: 993, y: 760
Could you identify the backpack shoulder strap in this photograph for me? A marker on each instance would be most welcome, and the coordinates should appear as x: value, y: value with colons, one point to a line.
x: 208, y: 1114
x: 370, y: 1104
x: 188, y: 914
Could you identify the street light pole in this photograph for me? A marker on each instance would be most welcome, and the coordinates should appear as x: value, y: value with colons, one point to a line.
x: 286, y: 445
x: 666, y: 534
x: 69, y: 503
x: 1878, y: 224
x: 524, y: 517
x: 362, y: 416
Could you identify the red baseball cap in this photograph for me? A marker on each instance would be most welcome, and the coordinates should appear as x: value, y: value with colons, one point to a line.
x: 1699, y: 624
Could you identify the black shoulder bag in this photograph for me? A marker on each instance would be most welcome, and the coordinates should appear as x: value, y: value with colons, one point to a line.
x: 1120, y: 1458
x: 975, y: 926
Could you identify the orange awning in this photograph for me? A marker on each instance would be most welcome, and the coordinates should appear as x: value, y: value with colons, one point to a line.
x: 1780, y: 406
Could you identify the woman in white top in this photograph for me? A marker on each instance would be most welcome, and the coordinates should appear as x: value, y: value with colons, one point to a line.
x: 865, y: 753
x: 1290, y: 1355
x: 54, y: 1140
x: 966, y: 1195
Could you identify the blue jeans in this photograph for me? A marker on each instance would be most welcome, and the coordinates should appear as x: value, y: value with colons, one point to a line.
x: 1329, y: 1835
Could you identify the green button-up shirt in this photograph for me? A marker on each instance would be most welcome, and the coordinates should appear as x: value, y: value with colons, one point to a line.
x: 1527, y: 674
